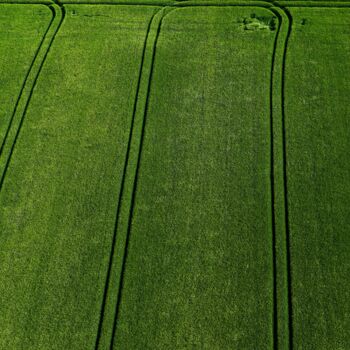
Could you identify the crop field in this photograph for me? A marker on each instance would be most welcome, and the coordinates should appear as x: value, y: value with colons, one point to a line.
x: 174, y: 175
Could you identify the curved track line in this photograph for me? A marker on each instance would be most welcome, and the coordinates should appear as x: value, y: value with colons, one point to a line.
x: 285, y: 183
x: 121, y: 277
x: 288, y: 240
x: 270, y: 7
x: 262, y: 4
x: 122, y: 187
x: 272, y: 190
x: 62, y: 13
x: 283, y: 6
x: 24, y: 83
x: 283, y: 307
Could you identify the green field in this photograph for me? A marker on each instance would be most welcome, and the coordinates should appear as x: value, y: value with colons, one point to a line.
x: 174, y: 175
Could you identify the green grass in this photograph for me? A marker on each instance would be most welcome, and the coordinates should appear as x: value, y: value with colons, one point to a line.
x: 174, y: 177
x: 318, y: 173
x: 22, y: 29
x: 198, y: 269
x: 60, y: 193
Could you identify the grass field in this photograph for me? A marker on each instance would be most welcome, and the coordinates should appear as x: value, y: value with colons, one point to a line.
x: 22, y: 30
x: 175, y: 175
x: 318, y: 143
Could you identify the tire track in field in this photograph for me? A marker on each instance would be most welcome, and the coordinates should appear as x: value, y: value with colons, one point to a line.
x: 132, y: 204
x: 285, y: 186
x: 275, y: 8
x: 118, y: 213
x: 25, y: 81
x: 275, y: 317
x: 62, y: 14
x: 279, y: 5
x: 274, y: 312
x: 283, y: 5
x: 272, y: 188
x: 109, y: 268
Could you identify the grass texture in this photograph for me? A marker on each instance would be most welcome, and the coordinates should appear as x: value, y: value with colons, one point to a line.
x: 59, y: 197
x: 174, y: 177
x: 22, y: 30
x: 318, y: 173
x: 198, y: 266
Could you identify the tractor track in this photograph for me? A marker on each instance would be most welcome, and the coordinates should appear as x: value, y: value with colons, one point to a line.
x: 280, y: 10
x: 58, y: 11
